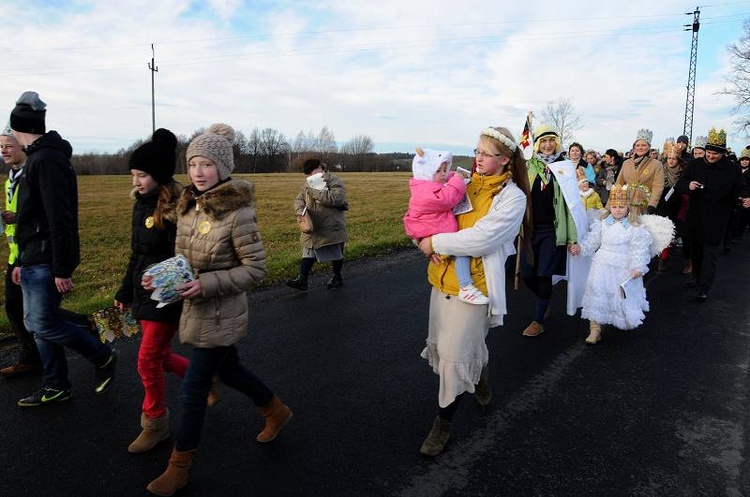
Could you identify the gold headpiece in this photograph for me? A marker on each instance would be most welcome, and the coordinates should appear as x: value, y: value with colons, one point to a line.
x: 618, y: 196
x: 717, y: 141
x: 632, y: 195
x: 669, y: 148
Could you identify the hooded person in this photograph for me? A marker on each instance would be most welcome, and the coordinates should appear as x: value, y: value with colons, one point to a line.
x: 714, y: 185
x: 643, y: 171
x: 559, y: 220
x: 217, y: 232
x: 152, y: 240
x: 48, y: 254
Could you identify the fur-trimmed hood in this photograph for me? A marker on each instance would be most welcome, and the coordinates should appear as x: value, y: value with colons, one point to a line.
x: 220, y: 200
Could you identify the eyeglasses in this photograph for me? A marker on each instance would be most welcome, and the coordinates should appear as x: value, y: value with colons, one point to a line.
x: 3, y: 147
x: 479, y: 153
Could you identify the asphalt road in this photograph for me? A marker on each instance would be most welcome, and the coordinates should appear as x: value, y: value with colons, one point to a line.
x: 661, y: 410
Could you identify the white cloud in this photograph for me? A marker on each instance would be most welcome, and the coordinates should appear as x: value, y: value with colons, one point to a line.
x: 402, y: 72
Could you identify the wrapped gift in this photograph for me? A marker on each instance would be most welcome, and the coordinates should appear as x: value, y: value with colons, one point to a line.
x: 167, y: 276
x: 111, y: 324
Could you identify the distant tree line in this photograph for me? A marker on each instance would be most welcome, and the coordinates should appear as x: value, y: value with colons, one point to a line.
x: 266, y: 151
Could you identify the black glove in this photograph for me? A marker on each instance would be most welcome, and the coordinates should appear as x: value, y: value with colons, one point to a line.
x: 651, y: 210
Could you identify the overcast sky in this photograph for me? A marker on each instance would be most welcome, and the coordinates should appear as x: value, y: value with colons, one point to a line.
x: 407, y: 73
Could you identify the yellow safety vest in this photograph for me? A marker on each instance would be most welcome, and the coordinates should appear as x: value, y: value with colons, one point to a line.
x: 10, y: 229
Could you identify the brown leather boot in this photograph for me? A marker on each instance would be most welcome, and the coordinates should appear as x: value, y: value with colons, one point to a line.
x: 276, y: 415
x: 533, y: 330
x: 437, y: 438
x: 155, y: 431
x: 595, y: 333
x: 176, y: 475
x: 483, y: 392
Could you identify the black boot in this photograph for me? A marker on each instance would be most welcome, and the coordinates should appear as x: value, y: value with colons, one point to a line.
x: 298, y: 283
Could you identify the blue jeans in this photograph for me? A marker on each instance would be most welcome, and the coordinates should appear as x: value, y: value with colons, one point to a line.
x: 223, y: 362
x: 52, y: 331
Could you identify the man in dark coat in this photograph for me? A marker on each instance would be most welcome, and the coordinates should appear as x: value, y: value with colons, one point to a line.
x: 48, y: 245
x: 714, y: 185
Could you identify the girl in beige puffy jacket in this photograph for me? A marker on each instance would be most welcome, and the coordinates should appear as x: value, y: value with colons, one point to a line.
x: 218, y: 233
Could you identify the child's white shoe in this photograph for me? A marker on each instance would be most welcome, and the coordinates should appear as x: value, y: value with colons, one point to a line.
x: 472, y: 295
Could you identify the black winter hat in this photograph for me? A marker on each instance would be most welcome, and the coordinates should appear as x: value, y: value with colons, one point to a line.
x: 311, y: 165
x: 28, y: 114
x: 157, y: 157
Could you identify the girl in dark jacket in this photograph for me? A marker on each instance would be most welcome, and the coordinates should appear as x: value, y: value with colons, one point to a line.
x: 153, y: 240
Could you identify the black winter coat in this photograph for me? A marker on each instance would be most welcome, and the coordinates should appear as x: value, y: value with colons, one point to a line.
x: 709, y: 207
x: 47, y: 217
x: 149, y: 245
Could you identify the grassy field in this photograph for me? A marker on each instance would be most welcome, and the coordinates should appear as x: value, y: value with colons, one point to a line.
x: 377, y: 203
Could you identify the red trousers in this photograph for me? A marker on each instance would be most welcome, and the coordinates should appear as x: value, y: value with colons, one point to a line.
x: 154, y: 358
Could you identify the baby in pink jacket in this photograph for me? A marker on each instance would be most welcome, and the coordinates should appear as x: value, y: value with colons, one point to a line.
x: 431, y: 210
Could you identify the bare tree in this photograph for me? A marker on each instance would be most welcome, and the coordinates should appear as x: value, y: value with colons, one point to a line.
x: 738, y: 80
x: 356, y: 151
x: 326, y: 144
x: 273, y: 148
x: 563, y: 116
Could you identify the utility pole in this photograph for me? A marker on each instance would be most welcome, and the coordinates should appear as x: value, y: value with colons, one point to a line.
x: 153, y: 69
x: 687, y: 128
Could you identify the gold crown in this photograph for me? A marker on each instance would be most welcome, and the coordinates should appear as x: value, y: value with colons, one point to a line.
x: 717, y: 138
x: 619, y: 196
x: 669, y: 148
x: 632, y: 195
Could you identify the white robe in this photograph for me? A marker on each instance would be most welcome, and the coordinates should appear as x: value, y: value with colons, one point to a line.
x: 576, y: 268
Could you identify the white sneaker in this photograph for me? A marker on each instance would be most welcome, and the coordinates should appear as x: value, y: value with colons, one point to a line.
x: 472, y: 295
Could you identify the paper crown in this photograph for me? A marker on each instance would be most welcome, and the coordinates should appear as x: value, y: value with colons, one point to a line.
x: 669, y: 148
x: 618, y: 196
x: 745, y: 153
x: 717, y: 140
x: 581, y: 175
x: 632, y: 195
x: 700, y: 142
x: 644, y: 134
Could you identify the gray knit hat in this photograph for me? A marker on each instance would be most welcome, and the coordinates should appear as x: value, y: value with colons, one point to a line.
x: 215, y: 145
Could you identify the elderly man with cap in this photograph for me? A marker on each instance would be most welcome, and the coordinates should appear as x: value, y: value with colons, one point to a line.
x: 641, y: 171
x: 48, y: 244
x: 715, y: 185
x: 559, y: 220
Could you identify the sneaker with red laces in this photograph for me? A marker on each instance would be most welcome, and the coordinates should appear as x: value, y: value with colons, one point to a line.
x: 472, y: 295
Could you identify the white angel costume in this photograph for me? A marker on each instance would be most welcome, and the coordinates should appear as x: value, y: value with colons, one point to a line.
x: 619, y: 248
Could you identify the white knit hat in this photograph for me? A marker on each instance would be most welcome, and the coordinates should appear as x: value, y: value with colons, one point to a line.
x: 425, y: 166
x: 215, y: 145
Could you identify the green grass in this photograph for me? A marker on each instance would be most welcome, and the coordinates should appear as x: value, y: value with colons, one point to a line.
x: 377, y: 202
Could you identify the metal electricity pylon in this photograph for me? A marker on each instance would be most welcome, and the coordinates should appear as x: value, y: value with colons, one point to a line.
x: 687, y: 128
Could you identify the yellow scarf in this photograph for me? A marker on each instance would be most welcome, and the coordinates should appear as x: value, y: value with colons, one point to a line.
x: 480, y: 191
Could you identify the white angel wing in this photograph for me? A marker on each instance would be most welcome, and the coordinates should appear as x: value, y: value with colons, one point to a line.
x: 661, y: 229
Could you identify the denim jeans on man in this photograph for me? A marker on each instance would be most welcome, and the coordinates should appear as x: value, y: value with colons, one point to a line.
x: 52, y: 332
x: 204, y: 365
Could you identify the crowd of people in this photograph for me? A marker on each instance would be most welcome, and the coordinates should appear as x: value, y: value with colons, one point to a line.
x: 594, y: 220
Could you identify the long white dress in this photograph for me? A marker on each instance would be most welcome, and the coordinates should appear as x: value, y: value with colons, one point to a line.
x: 618, y: 248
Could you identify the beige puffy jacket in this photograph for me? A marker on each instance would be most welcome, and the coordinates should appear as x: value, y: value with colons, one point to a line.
x: 218, y: 233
